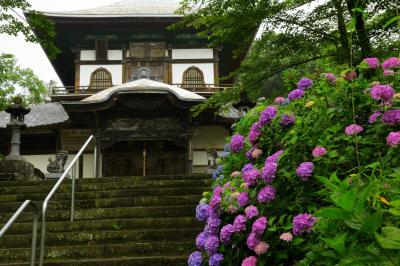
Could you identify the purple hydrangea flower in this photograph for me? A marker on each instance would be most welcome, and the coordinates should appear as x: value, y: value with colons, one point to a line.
x: 195, y: 259
x: 391, y: 117
x: 239, y: 224
x: 330, y: 77
x: 305, y: 170
x: 304, y: 83
x: 211, y: 245
x: 252, y: 240
x: 250, y: 174
x: 274, y: 157
x: 212, y: 226
x: 353, y: 129
x: 237, y: 143
x: 372, y: 62
x: 296, y: 94
x: 251, y: 211
x: 269, y: 171
x: 267, y: 115
x: 319, y: 151
x: 372, y: 118
x: 255, y: 132
x: 393, y: 139
x: 200, y: 240
x: 259, y: 226
x: 216, y: 259
x: 303, y: 223
x: 391, y: 62
x: 267, y: 194
x: 226, y: 233
x: 202, y: 211
x: 243, y: 199
x: 382, y: 92
x: 249, y: 153
x: 287, y: 120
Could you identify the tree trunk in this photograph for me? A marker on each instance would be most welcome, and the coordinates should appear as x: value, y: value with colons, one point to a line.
x: 362, y: 34
x: 344, y: 40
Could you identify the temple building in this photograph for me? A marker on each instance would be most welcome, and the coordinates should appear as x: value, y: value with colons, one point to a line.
x: 131, y: 81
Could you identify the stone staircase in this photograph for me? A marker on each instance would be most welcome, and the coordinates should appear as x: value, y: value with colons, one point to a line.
x: 118, y: 221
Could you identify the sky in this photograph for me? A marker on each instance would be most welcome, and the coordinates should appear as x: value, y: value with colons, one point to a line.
x: 31, y: 55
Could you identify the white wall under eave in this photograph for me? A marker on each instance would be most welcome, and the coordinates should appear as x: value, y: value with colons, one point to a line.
x: 87, y: 70
x: 206, y: 137
x: 206, y: 68
x: 90, y: 55
x: 192, y: 53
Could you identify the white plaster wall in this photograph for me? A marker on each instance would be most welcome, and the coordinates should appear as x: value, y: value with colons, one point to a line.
x: 87, y: 70
x: 208, y: 137
x: 90, y: 55
x: 206, y: 68
x: 41, y: 162
x: 192, y: 54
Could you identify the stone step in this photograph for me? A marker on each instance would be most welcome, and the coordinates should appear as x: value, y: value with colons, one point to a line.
x: 131, y: 249
x: 109, y: 213
x: 109, y: 224
x: 103, y: 237
x: 107, y: 194
x: 107, y: 180
x: 42, y: 188
x: 110, y: 202
x: 118, y: 261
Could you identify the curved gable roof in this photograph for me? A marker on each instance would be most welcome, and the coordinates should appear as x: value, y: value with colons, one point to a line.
x: 144, y: 86
x: 126, y: 8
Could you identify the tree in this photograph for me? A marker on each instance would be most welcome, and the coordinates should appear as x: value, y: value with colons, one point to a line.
x: 39, y: 29
x: 16, y: 80
x: 297, y: 33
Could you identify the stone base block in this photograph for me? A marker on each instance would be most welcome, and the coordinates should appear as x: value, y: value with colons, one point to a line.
x: 54, y: 175
x: 16, y: 170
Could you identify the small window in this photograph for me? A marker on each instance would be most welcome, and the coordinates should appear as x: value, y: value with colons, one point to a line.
x: 193, y: 78
x: 100, y: 79
x: 101, y: 50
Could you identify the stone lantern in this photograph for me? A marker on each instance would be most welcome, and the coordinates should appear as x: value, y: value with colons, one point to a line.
x: 14, y: 166
x: 17, y: 114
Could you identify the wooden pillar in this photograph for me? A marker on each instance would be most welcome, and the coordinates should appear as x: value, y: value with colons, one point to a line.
x: 189, y: 152
x: 97, y: 157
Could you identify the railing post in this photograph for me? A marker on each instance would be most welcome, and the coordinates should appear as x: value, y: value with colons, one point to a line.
x: 73, y: 193
x: 34, y: 234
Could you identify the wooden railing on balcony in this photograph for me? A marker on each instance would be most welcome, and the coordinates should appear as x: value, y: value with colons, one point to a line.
x: 87, y: 90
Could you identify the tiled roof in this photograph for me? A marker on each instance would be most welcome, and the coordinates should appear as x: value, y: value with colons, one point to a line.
x: 40, y: 115
x: 127, y: 8
x: 144, y: 86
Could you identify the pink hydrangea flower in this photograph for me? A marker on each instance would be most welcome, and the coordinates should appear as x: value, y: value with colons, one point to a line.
x: 388, y: 72
x: 350, y: 75
x: 256, y: 153
x: 250, y: 261
x: 279, y: 100
x: 286, y: 237
x: 372, y: 118
x: 252, y: 240
x: 372, y: 62
x: 259, y: 226
x: 391, y: 62
x: 353, y: 129
x: 382, y: 92
x: 330, y: 77
x: 235, y: 174
x: 251, y: 211
x: 319, y: 151
x: 239, y: 224
x: 261, y: 248
x: 393, y: 139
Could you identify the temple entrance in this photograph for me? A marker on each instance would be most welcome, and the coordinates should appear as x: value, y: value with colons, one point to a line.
x: 137, y: 158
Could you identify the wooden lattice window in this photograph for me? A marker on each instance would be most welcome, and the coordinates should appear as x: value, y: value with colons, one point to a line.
x: 193, y: 78
x: 100, y: 79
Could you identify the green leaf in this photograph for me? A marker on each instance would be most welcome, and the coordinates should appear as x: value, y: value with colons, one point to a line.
x: 395, y: 212
x: 391, y: 232
x: 338, y: 243
x: 334, y: 213
x: 392, y: 20
x: 297, y: 241
x: 346, y: 201
x: 372, y: 223
x: 327, y: 183
x: 387, y: 242
x: 395, y: 204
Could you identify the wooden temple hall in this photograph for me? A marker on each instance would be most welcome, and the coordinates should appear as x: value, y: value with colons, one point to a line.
x: 130, y: 81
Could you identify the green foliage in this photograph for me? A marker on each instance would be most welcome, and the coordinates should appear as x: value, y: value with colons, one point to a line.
x: 41, y: 29
x: 16, y: 80
x: 355, y: 187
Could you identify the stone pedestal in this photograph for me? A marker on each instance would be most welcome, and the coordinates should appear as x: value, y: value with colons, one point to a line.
x: 16, y: 170
x: 54, y: 175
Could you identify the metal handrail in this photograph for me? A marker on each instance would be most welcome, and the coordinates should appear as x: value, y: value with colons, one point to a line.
x: 35, y: 225
x: 56, y: 186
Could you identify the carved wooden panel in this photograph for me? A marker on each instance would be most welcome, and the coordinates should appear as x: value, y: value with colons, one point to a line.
x: 147, y: 50
x: 155, y: 71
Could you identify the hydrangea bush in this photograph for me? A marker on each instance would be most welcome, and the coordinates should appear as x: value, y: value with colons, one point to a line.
x: 312, y: 178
